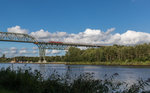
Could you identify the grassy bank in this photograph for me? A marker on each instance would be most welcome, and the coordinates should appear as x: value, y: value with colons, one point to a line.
x: 27, y: 81
x: 147, y: 63
x: 110, y: 63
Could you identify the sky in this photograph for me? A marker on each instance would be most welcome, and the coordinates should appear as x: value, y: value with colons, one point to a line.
x: 102, y: 22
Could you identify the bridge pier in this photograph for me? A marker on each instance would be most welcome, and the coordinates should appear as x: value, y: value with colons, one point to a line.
x: 42, y: 55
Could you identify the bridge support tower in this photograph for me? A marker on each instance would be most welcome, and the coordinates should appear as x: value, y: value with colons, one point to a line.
x: 42, y: 55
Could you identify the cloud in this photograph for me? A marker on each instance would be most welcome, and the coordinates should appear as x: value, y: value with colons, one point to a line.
x: 47, y: 52
x: 13, y: 50
x: 82, y: 48
x: 89, y: 36
x: 10, y: 52
x: 41, y: 34
x: 95, y: 36
x: 133, y: 37
x: 23, y: 51
x: 110, y: 30
x: 34, y: 52
x: 55, y: 51
x: 34, y: 48
x: 6, y: 52
x: 52, y: 52
x: 17, y: 29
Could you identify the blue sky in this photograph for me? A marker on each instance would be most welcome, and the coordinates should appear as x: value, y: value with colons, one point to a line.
x: 75, y: 16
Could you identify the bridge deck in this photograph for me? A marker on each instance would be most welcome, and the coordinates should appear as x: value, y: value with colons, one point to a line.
x: 71, y: 44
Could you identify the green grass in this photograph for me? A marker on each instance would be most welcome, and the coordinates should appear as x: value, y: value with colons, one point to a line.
x: 115, y: 63
x: 110, y: 63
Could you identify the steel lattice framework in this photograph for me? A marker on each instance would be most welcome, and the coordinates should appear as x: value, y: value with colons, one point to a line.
x: 19, y: 37
x: 16, y: 37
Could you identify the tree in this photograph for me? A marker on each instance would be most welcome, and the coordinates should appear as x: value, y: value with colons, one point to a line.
x: 73, y: 54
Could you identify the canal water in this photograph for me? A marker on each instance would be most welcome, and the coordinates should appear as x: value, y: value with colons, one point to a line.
x: 126, y: 73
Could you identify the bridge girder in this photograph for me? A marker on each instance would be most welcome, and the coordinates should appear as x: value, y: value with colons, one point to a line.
x: 16, y: 37
x: 53, y: 46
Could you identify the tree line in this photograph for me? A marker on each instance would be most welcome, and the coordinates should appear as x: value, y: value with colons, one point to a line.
x: 117, y: 53
x: 110, y: 53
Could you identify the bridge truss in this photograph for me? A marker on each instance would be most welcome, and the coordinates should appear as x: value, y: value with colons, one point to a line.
x: 25, y: 38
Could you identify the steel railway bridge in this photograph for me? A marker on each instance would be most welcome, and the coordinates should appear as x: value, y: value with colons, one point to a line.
x: 25, y: 38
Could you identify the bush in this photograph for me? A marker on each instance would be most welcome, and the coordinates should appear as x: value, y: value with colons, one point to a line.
x: 26, y: 81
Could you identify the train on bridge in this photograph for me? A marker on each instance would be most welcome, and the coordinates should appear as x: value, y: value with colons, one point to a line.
x: 51, y: 42
x: 57, y: 42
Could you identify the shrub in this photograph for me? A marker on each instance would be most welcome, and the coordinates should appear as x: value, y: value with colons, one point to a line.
x: 27, y: 81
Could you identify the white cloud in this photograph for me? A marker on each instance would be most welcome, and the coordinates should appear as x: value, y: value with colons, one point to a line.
x: 55, y: 51
x: 6, y: 52
x: 52, y: 52
x: 34, y: 52
x: 47, y: 52
x: 89, y: 36
x: 41, y: 34
x: 13, y: 50
x: 83, y: 48
x: 133, y: 37
x: 17, y: 29
x: 10, y: 52
x: 34, y: 48
x: 95, y: 36
x: 23, y: 51
x: 110, y: 30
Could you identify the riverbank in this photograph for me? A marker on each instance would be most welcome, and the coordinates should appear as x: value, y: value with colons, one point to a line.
x: 102, y: 63
x: 105, y: 63
x: 147, y: 63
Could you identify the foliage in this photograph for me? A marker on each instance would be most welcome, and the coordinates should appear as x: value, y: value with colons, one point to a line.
x: 26, y: 81
x: 115, y: 53
x: 21, y: 81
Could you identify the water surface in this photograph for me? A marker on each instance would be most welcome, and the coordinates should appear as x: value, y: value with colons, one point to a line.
x: 126, y: 73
